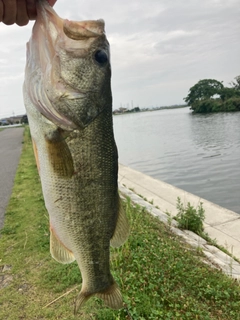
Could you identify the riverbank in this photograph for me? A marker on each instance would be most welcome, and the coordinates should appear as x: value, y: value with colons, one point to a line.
x: 220, y: 223
x: 160, y: 275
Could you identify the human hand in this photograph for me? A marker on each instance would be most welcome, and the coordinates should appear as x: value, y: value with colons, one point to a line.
x: 19, y: 11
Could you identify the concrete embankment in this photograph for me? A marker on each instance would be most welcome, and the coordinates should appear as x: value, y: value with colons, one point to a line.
x: 10, y: 146
x: 220, y: 223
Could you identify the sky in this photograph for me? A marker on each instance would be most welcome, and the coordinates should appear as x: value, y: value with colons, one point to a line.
x: 159, y: 48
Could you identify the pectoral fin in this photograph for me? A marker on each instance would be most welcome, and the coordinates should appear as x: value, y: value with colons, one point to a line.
x: 122, y: 228
x: 58, y: 251
x: 59, y: 155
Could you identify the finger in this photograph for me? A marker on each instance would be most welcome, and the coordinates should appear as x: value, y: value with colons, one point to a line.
x: 10, y: 11
x: 52, y: 2
x: 22, y: 16
x: 1, y: 11
x: 31, y: 9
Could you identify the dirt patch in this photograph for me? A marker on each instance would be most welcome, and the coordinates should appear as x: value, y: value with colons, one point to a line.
x: 5, y: 280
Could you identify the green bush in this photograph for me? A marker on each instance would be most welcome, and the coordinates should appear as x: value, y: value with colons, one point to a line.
x: 208, y: 105
x: 232, y: 104
x: 190, y: 218
x: 216, y: 105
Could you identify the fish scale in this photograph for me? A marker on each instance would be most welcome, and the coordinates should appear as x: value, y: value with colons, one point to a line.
x: 67, y: 94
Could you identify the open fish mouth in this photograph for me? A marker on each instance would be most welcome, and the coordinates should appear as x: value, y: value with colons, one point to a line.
x: 53, y: 94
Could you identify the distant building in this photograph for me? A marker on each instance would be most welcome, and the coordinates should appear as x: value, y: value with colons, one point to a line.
x: 3, y: 122
x: 14, y: 120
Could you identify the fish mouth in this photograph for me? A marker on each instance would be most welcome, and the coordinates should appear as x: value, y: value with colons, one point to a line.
x: 76, y: 30
x: 51, y: 31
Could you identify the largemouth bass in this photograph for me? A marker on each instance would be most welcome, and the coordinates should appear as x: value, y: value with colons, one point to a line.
x: 67, y: 94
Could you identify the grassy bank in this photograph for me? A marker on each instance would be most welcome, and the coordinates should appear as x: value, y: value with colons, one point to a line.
x: 160, y: 276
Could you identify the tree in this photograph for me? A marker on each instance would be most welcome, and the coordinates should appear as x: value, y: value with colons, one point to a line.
x: 236, y: 84
x: 227, y: 93
x: 203, y: 90
x: 210, y: 95
x: 24, y: 119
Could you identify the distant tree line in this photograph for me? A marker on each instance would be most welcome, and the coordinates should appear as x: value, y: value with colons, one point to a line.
x: 125, y: 110
x: 210, y: 95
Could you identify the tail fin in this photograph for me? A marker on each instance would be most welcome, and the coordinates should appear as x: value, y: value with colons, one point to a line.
x: 111, y: 296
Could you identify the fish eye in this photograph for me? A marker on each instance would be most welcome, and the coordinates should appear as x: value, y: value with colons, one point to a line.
x: 101, y: 57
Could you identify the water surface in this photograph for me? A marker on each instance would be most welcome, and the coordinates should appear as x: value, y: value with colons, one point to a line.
x: 195, y: 152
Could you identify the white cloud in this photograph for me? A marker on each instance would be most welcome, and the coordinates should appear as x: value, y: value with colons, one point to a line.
x: 159, y: 49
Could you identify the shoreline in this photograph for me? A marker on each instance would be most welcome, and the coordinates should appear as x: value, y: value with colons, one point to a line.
x: 115, y: 113
x: 220, y: 223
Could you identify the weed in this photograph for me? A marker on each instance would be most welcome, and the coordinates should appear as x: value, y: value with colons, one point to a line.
x: 169, y: 220
x: 190, y: 218
x: 144, y: 198
x: 168, y: 213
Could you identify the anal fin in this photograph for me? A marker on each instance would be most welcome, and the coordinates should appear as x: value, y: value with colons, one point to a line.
x: 121, y: 232
x: 58, y: 251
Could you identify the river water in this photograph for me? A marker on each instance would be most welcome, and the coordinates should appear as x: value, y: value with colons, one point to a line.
x: 199, y: 153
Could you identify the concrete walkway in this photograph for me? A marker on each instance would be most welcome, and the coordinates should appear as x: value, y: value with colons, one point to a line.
x: 220, y: 224
x: 10, y: 146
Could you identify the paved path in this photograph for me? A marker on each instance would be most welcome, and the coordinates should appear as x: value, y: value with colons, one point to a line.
x: 10, y: 150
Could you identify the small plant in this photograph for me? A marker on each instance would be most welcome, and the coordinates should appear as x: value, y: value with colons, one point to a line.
x: 190, y: 218
x: 169, y: 220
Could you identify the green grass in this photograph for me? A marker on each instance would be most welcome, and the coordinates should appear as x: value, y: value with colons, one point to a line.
x: 160, y: 276
x: 10, y: 127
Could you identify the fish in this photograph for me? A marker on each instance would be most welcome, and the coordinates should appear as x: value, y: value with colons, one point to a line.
x: 68, y: 99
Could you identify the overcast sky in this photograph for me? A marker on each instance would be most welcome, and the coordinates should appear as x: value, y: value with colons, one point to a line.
x: 159, y: 48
